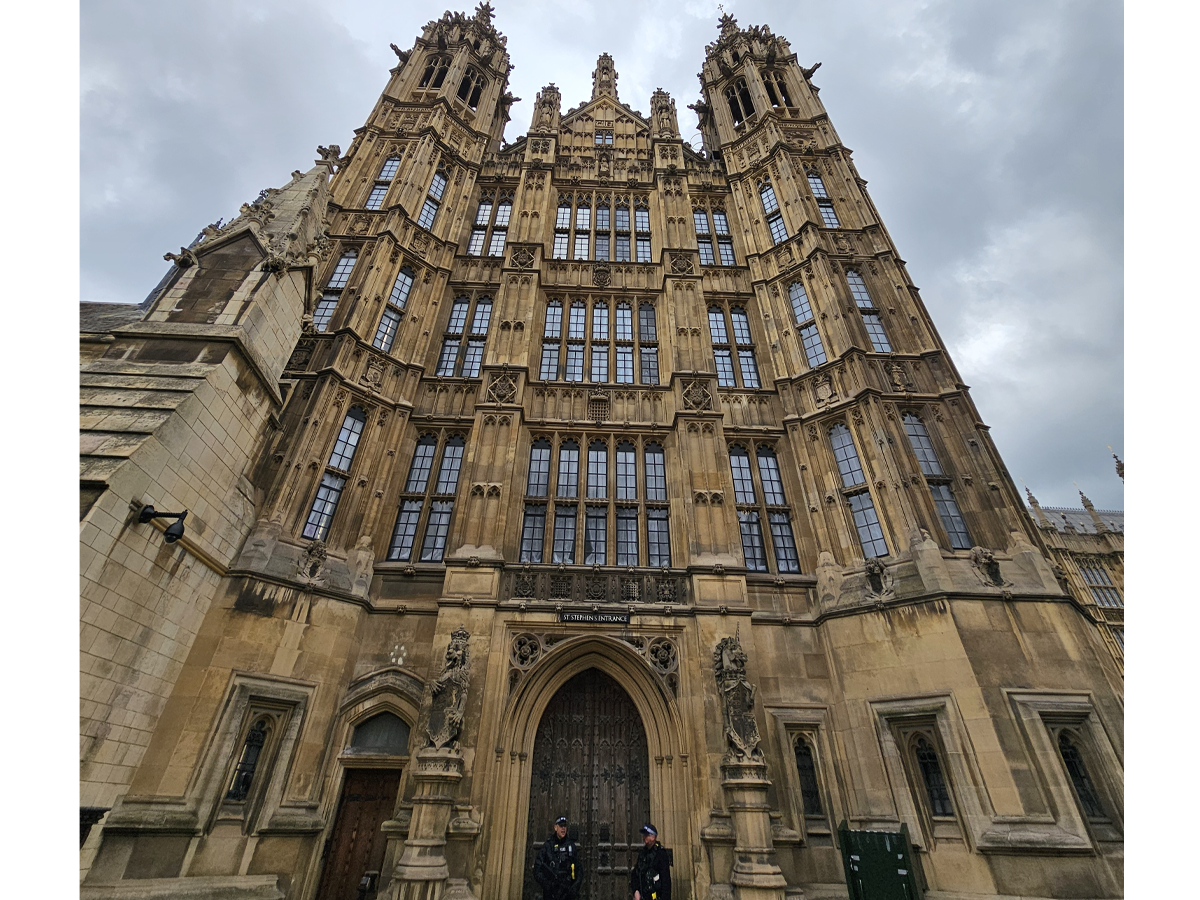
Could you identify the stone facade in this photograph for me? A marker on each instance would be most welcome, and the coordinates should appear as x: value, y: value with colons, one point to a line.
x: 459, y: 423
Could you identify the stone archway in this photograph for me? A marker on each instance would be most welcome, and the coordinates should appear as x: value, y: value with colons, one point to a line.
x: 590, y: 763
x: 670, y: 788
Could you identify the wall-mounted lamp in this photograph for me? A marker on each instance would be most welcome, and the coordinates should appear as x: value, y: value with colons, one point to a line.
x: 173, y: 532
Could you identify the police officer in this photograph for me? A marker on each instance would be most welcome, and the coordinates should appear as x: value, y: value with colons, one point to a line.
x: 558, y: 867
x: 650, y: 878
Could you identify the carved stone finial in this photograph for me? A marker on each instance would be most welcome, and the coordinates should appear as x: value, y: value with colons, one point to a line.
x: 449, y: 693
x: 737, y: 699
x: 1120, y: 467
x: 604, y: 78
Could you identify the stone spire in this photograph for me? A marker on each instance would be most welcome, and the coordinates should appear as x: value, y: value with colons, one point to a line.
x: 547, y: 110
x: 1101, y: 528
x: 1120, y: 467
x: 604, y: 78
x: 1037, y: 510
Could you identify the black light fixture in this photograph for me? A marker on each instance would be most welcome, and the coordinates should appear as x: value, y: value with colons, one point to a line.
x: 173, y: 532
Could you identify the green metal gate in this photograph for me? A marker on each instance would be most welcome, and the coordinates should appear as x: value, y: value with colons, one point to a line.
x: 879, y: 864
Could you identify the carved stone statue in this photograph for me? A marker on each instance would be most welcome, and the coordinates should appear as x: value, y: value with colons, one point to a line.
x: 450, y: 693
x: 737, y: 699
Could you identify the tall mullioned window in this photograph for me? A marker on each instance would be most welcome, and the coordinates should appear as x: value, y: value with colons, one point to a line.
x: 706, y: 234
x: 383, y: 181
x: 766, y: 193
x: 433, y: 200
x: 806, y: 325
x: 333, y: 289
x: 598, y: 343
x: 471, y: 88
x: 939, y: 483
x: 462, y: 347
x: 824, y: 201
x: 602, y: 227
x: 427, y: 499
x: 737, y: 96
x: 435, y: 72
x: 613, y: 512
x: 742, y: 345
x: 870, y: 315
x: 1095, y: 576
x: 337, y: 470
x: 857, y: 493
x: 393, y: 310
x: 777, y: 89
x: 772, y: 509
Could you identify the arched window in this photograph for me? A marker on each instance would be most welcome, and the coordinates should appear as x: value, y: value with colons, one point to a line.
x: 737, y: 95
x: 382, y: 182
x: 641, y: 226
x: 389, y: 322
x: 458, y: 315
x: 435, y: 72
x: 716, y: 325
x: 766, y: 193
x: 329, y: 492
x: 862, y: 507
x: 600, y: 321
x: 385, y: 733
x: 483, y: 316
x: 247, y: 764
x: 939, y: 484
x: 621, y: 217
x: 806, y: 768
x: 437, y: 187
x: 870, y: 315
x: 568, y: 469
x: 471, y: 88
x: 806, y: 325
x: 931, y: 775
x: 437, y: 527
x: 626, y: 471
x: 577, y: 326
x: 553, y: 319
x: 624, y: 322
x: 422, y: 464
x: 656, y: 473
x: 1085, y: 790
x: 777, y: 92
x: 539, y: 469
x: 500, y: 228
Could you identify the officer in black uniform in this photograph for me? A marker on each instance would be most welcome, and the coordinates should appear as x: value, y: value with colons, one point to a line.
x: 558, y: 867
x: 650, y: 878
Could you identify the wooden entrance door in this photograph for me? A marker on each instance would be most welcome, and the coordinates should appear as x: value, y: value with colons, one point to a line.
x: 357, y: 845
x: 591, y: 764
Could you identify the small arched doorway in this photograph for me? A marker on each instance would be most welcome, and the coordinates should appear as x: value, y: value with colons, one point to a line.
x: 590, y: 763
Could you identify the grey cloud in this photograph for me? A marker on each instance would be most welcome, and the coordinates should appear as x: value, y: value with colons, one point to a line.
x: 991, y: 134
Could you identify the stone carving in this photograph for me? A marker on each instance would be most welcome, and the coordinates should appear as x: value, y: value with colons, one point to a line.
x: 879, y: 581
x: 989, y: 569
x: 521, y: 258
x: 449, y: 693
x: 601, y: 275
x: 503, y: 388
x: 681, y: 264
x: 361, y: 562
x: 301, y: 355
x: 526, y: 650
x: 899, y: 377
x: 737, y: 699
x: 312, y: 561
x: 662, y: 655
x: 696, y: 395
x: 184, y: 259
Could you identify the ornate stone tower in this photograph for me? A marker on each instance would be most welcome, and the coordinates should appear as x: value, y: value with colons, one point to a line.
x: 613, y: 479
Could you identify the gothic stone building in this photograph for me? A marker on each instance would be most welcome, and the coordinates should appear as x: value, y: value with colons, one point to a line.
x: 587, y: 474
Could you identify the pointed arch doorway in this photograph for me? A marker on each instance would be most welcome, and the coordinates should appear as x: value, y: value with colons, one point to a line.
x: 591, y: 763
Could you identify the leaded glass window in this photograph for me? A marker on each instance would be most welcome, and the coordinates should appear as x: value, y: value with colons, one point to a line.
x: 952, y: 520
x: 549, y: 367
x: 422, y: 464
x: 922, y: 446
x: 452, y: 457
x: 716, y: 325
x: 597, y: 472
x: 931, y: 774
x: 806, y: 768
x: 324, y: 505
x: 377, y: 195
x: 341, y: 272
x: 649, y: 365
x: 458, y: 316
x: 813, y: 348
x: 846, y: 455
x: 724, y: 363
x: 866, y: 523
x: 599, y: 364
x: 879, y: 339
x: 624, y: 365
x: 786, y: 557
x: 752, y: 541
x: 401, y: 288
x: 600, y: 321
x: 483, y: 316
x: 574, y: 367
x: 577, y: 327
x: 436, y: 530
x: 568, y: 469
x: 743, y: 483
x: 1085, y: 790
x: 647, y: 330
x: 741, y: 325
x: 768, y: 474
x: 472, y: 359
x: 658, y: 538
x: 539, y: 469
x: 448, y: 356
x: 533, y: 533
x: 405, y: 532
x: 563, y: 550
x: 627, y: 536
x: 749, y: 368
x: 624, y: 322
x: 626, y: 471
x: 595, y: 536
x: 324, y: 311
x: 347, y: 439
x: 554, y: 319
x: 656, y: 473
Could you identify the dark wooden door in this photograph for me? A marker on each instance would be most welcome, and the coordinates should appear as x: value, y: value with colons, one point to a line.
x: 357, y: 845
x: 591, y: 764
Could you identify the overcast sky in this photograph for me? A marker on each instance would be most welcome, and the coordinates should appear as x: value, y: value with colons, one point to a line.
x: 990, y: 132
